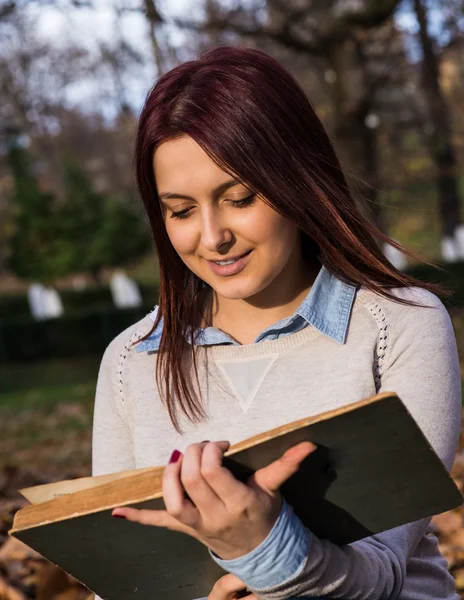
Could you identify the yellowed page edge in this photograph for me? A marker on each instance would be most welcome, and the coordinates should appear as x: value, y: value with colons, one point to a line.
x: 49, y: 491
x: 145, y: 484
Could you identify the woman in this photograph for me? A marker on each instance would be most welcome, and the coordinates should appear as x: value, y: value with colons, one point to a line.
x: 275, y: 303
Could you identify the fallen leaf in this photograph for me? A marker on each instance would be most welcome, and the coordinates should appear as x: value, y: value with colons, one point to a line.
x: 448, y: 522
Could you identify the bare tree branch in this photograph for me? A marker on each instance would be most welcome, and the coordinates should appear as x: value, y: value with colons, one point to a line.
x: 340, y: 27
x: 7, y: 9
x: 154, y: 19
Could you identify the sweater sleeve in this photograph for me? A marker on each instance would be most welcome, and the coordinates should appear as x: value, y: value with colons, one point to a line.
x: 421, y: 365
x: 112, y: 447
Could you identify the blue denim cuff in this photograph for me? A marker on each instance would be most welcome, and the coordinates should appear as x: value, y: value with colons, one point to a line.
x: 277, y: 559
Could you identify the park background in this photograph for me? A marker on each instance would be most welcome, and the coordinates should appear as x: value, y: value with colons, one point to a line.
x: 387, y: 80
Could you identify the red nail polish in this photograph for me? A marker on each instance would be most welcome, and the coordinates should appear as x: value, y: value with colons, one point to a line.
x: 174, y: 456
x: 204, y: 441
x: 118, y: 516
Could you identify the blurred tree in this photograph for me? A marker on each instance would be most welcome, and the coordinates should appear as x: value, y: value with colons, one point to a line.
x: 103, y: 231
x: 122, y: 237
x: 39, y: 250
x: 81, y: 217
x: 35, y: 79
x: 163, y: 51
x: 84, y: 234
x: 439, y: 131
x: 155, y: 20
x: 7, y: 9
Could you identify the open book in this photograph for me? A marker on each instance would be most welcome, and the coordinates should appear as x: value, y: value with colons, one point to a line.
x: 373, y: 470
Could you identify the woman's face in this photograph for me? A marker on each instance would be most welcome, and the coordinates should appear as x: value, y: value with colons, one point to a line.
x: 228, y: 237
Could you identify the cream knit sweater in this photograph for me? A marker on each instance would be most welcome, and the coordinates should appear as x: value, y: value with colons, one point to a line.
x: 251, y: 388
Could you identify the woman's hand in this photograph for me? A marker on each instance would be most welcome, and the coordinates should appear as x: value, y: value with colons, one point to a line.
x: 230, y: 517
x: 230, y: 587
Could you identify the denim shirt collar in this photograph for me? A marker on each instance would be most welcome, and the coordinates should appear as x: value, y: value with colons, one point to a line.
x: 327, y: 307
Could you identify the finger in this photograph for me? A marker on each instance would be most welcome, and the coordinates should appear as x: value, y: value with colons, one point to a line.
x: 270, y: 478
x: 229, y: 587
x: 224, y: 445
x: 232, y: 492
x: 176, y: 503
x: 196, y: 486
x: 156, y: 518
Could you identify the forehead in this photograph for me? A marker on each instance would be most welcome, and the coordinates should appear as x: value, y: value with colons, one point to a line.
x: 183, y: 163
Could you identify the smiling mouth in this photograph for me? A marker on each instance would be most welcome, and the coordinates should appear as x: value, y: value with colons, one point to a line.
x: 230, y: 261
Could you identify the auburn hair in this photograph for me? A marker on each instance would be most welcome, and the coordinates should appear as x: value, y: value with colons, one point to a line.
x: 255, y: 122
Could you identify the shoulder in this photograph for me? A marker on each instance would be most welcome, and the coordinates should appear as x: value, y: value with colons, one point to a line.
x: 422, y: 306
x: 424, y: 326
x: 128, y: 340
x: 122, y: 367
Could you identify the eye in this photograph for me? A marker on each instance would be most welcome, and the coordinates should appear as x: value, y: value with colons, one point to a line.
x: 248, y: 201
x: 181, y: 214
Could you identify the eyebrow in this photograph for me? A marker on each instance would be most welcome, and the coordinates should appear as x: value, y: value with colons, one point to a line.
x: 220, y: 189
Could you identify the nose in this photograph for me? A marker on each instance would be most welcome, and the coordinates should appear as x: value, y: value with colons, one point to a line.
x: 215, y: 234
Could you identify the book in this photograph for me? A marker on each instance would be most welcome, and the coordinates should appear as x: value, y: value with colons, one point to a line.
x: 373, y: 470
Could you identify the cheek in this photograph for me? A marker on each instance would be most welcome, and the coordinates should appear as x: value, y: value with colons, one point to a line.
x: 182, y: 238
x: 273, y: 229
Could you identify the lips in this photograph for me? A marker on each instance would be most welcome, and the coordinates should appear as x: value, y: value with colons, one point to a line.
x: 231, y: 269
x: 234, y: 258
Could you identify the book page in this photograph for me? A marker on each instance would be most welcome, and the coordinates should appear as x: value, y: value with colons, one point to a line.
x: 49, y: 491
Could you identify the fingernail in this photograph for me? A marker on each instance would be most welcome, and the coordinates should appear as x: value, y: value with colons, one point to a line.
x: 118, y: 516
x: 204, y: 441
x: 174, y: 456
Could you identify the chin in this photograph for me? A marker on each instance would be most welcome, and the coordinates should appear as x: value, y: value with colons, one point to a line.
x: 233, y: 295
x: 238, y: 292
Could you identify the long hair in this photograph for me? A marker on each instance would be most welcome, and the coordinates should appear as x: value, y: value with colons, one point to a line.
x: 255, y: 122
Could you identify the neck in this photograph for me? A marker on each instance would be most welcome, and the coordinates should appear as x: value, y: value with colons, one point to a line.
x: 245, y: 319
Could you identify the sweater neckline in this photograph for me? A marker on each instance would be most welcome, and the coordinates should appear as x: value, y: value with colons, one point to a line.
x: 264, y: 348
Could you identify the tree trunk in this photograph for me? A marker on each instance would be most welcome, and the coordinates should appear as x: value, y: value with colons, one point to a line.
x: 353, y: 103
x: 440, y: 142
x: 154, y: 19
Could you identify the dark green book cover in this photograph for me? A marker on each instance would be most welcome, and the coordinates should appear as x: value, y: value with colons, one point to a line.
x: 373, y: 470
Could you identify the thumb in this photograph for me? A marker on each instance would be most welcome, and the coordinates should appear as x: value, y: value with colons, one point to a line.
x: 270, y: 478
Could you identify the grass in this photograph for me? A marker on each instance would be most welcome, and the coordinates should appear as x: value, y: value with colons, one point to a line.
x: 48, y: 396
x: 46, y: 414
x: 47, y: 377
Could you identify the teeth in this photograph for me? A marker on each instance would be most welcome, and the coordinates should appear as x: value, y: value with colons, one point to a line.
x: 225, y: 262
